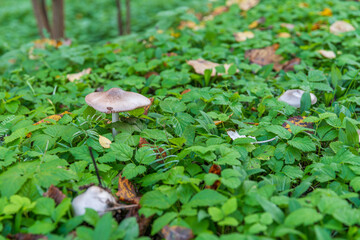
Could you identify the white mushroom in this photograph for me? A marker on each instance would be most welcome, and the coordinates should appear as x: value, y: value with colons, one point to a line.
x: 116, y: 100
x: 95, y: 198
x: 293, y: 97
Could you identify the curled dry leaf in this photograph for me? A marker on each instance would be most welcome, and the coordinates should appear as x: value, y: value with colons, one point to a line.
x: 339, y: 27
x: 327, y: 54
x: 177, y: 233
x: 77, y: 76
x: 289, y: 65
x: 149, y: 74
x: 326, y: 12
x: 244, y: 5
x: 201, y: 65
x: 243, y: 36
x: 215, y: 169
x: 55, y: 193
x: 143, y: 222
x: 219, y: 10
x: 26, y: 236
x: 104, y: 142
x: 127, y: 192
x: 298, y: 121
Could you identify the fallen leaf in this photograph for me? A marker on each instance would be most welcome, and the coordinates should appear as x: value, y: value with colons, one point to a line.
x: 185, y: 91
x: 326, y: 12
x: 284, y: 35
x: 55, y: 193
x: 215, y: 169
x: 143, y: 222
x: 149, y: 74
x: 219, y: 10
x: 288, y: 26
x: 126, y: 192
x: 339, y: 27
x: 55, y: 117
x: 104, y: 142
x: 161, y: 153
x: 289, y: 65
x: 219, y: 122
x: 244, y: 5
x: 243, y: 36
x: 265, y: 56
x: 77, y: 76
x: 26, y: 236
x: 201, y: 65
x: 146, y: 108
x: 256, y: 23
x: 303, y: 5
x: 318, y: 25
x: 177, y: 233
x: 298, y: 121
x: 235, y: 135
x: 327, y: 54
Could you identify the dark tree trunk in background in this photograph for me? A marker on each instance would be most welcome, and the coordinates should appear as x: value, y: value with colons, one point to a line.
x: 119, y: 17
x: 41, y: 16
x: 58, y: 19
x: 128, y: 16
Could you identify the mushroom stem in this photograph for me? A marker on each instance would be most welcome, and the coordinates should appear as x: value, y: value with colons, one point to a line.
x: 115, y: 118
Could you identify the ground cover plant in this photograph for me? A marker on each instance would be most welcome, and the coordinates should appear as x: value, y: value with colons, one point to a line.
x: 224, y: 150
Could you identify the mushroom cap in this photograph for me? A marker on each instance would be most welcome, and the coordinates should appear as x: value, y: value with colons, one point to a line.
x: 116, y: 100
x: 95, y: 198
x: 293, y: 97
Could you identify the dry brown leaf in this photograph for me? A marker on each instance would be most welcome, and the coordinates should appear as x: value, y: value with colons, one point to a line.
x: 244, y: 5
x: 284, y: 35
x: 55, y: 193
x: 289, y: 65
x: 265, y: 56
x: 215, y: 169
x: 339, y: 27
x: 185, y: 91
x: 26, y: 236
x: 256, y: 23
x: 201, y: 65
x: 161, y: 154
x: 327, y: 54
x: 326, y: 12
x: 104, y: 142
x: 77, y: 76
x: 143, y: 222
x: 243, y: 36
x: 298, y: 121
x: 177, y: 233
x: 126, y: 192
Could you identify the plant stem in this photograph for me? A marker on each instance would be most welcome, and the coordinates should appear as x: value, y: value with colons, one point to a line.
x: 95, y: 166
x: 115, y: 118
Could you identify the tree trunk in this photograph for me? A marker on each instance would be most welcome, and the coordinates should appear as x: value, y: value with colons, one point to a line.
x: 128, y: 16
x: 41, y: 16
x: 119, y: 17
x: 58, y: 19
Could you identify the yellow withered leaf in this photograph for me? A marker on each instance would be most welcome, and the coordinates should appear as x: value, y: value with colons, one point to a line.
x: 104, y: 142
x: 326, y: 12
x: 284, y: 35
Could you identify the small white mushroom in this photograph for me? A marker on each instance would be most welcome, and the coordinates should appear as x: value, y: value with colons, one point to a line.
x: 293, y: 97
x: 327, y: 54
x: 95, y: 198
x: 116, y: 100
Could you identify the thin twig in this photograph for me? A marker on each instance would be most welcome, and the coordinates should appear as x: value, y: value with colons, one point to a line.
x: 95, y: 166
